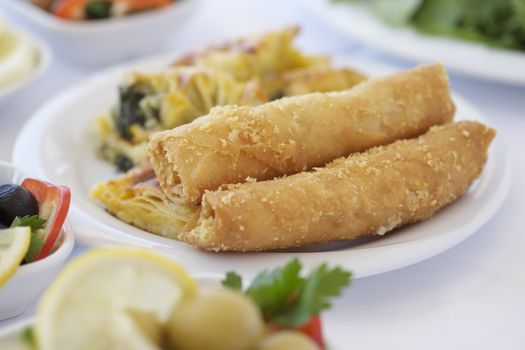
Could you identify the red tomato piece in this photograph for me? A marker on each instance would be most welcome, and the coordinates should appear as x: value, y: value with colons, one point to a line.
x: 53, y: 205
x: 70, y: 9
x: 139, y: 5
x: 314, y: 330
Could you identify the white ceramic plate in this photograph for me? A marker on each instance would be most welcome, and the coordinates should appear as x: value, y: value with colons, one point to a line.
x: 57, y: 144
x: 356, y: 21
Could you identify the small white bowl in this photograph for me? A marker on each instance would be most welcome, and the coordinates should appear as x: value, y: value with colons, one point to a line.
x: 106, y: 41
x: 31, y: 279
x: 44, y: 58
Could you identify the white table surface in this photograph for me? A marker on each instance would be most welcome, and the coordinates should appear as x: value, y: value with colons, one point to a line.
x: 470, y: 297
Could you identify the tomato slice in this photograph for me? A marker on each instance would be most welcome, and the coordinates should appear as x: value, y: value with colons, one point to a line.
x: 139, y: 5
x: 53, y: 205
x: 70, y: 9
x: 314, y: 330
x: 74, y: 9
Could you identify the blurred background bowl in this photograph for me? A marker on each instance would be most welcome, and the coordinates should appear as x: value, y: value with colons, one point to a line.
x: 106, y: 41
x: 43, y: 61
x: 31, y: 279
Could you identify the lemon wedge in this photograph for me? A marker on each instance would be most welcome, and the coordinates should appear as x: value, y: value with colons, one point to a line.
x: 111, y: 298
x: 14, y: 243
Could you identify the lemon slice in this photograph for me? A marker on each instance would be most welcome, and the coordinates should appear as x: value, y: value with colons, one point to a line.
x: 18, y: 57
x: 14, y: 243
x: 111, y: 298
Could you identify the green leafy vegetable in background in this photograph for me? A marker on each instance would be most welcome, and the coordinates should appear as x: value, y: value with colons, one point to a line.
x: 35, y: 223
x: 288, y: 299
x: 393, y: 12
x: 498, y: 23
x: 396, y: 12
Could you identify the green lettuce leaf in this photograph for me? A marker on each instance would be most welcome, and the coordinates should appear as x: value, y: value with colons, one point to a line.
x: 35, y: 223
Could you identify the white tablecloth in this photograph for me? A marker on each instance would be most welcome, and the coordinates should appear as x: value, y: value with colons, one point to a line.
x: 470, y: 297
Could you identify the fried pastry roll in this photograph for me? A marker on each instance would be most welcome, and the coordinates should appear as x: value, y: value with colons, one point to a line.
x: 365, y: 194
x: 294, y: 134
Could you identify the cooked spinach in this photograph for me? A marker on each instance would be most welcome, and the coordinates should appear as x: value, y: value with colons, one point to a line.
x: 123, y: 163
x: 129, y: 112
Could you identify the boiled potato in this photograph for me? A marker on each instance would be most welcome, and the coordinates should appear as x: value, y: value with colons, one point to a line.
x: 148, y: 324
x: 287, y: 340
x: 219, y: 319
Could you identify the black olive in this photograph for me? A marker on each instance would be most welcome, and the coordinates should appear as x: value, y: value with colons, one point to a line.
x: 16, y: 201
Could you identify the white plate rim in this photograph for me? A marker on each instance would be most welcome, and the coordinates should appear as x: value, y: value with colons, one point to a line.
x: 478, y: 60
x: 89, y: 231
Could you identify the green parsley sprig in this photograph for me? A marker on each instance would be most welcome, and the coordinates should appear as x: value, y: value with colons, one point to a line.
x: 288, y: 299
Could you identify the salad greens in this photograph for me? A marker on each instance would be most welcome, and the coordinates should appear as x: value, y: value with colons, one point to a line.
x: 288, y: 299
x: 98, y: 9
x: 35, y: 223
x: 499, y: 23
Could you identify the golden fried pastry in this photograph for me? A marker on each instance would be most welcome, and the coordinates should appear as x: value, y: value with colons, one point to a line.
x: 137, y: 199
x: 290, y: 135
x: 264, y: 57
x: 365, y: 194
x: 242, y: 72
x: 319, y: 79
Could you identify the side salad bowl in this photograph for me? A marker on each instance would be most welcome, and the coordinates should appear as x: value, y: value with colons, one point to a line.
x: 102, y: 42
x: 30, y: 279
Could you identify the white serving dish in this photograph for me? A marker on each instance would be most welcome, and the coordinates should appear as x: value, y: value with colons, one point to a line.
x: 31, y: 279
x: 43, y: 61
x: 103, y: 42
x: 66, y: 153
x: 356, y: 21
